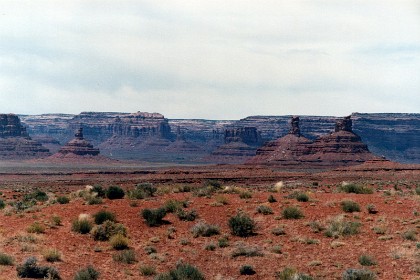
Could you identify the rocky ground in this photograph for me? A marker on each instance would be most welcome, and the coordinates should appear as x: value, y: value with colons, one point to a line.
x: 388, y: 236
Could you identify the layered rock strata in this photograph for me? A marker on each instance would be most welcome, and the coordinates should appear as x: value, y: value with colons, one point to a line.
x: 15, y: 142
x: 79, y: 146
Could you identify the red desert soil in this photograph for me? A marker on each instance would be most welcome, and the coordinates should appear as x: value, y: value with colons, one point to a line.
x: 394, y: 198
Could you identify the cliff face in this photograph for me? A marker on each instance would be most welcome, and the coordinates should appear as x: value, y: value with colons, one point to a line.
x: 395, y: 136
x: 15, y: 142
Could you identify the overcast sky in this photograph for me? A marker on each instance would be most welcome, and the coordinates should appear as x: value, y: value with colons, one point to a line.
x: 217, y: 59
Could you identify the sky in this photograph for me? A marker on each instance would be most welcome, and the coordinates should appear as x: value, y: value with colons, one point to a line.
x: 218, y: 59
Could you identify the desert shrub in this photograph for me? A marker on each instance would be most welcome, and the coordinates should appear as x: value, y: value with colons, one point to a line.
x: 289, y: 273
x: 36, y: 227
x: 213, y: 183
x: 153, y: 217
x: 278, y: 231
x: 93, y: 200
x: 241, y: 225
x: 126, y: 256
x: 221, y: 200
x: 302, y: 197
x: 147, y: 270
x: 115, y: 192
x: 206, y: 191
x: 6, y: 259
x: 150, y: 250
x: 182, y: 272
x: 119, y: 242
x: 264, y: 209
x: 203, y: 229
x: 245, y: 195
x: 292, y: 212
x: 107, y: 229
x: 147, y: 189
x: 276, y: 249
x: 353, y: 188
x: 271, y: 199
x: 410, y: 235
x: 184, y: 188
x: 210, y: 246
x: 371, y: 209
x: 358, y: 274
x: 2, y: 204
x: 187, y: 215
x: 223, y: 242
x: 316, y: 226
x: 52, y: 255
x: 366, y: 260
x: 247, y: 251
x: 100, y: 192
x: 24, y: 204
x: 30, y: 269
x: 63, y: 199
x: 341, y: 227
x: 350, y: 206
x: 88, y: 273
x: 172, y: 205
x: 102, y: 216
x: 82, y: 226
x: 246, y: 270
x: 417, y: 190
x: 37, y: 195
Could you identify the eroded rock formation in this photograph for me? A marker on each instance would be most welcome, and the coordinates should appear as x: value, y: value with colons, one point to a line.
x: 79, y: 146
x: 15, y: 142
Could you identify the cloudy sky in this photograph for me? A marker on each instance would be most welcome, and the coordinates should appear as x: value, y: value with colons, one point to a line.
x: 219, y: 59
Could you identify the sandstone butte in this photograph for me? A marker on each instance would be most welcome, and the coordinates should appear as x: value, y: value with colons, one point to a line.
x: 79, y: 146
x: 15, y: 142
x: 340, y: 148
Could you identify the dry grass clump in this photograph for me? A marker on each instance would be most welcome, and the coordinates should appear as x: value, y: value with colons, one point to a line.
x: 119, y: 242
x: 203, y: 229
x: 246, y: 250
x: 339, y: 226
x: 52, y: 255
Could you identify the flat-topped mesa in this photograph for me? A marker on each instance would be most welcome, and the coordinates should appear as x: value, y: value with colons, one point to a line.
x: 15, y: 142
x: 79, y: 146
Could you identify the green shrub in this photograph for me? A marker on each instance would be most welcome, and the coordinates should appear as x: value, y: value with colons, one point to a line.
x: 37, y: 195
x: 147, y: 189
x: 104, y: 231
x: 292, y: 212
x: 182, y: 272
x: 358, y: 274
x: 126, y: 256
x: 417, y: 190
x: 147, y: 270
x: 36, y: 227
x: 271, y: 199
x: 265, y: 210
x: 63, y: 199
x: 302, y: 197
x: 52, y: 255
x: 102, y: 216
x: 410, y: 235
x: 172, y: 205
x: 93, y: 200
x: 341, y: 227
x: 210, y: 246
x: 353, y: 188
x: 82, y: 226
x: 187, y: 215
x: 371, y: 209
x: 30, y: 269
x: 6, y: 259
x: 2, y: 204
x: 245, y: 195
x: 119, y: 242
x: 278, y: 231
x: 153, y: 217
x: 247, y: 251
x: 247, y: 270
x: 291, y: 274
x: 150, y: 250
x: 241, y: 225
x: 204, y: 229
x: 115, y: 192
x: 366, y: 260
x: 223, y: 242
x: 350, y: 206
x: 88, y: 273
x: 100, y: 192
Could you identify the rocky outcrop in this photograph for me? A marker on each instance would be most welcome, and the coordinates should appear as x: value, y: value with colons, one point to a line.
x: 340, y: 148
x: 15, y: 142
x: 79, y: 146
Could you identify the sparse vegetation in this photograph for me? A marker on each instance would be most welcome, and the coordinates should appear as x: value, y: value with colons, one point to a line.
x: 6, y: 259
x: 410, y: 235
x: 182, y: 272
x: 102, y: 216
x: 114, y: 192
x: 153, y: 217
x: 52, y: 255
x: 187, y: 215
x: 271, y: 199
x: 280, y: 230
x: 119, y: 242
x: 247, y: 251
x: 245, y: 194
x: 350, y: 206
x: 147, y: 270
x: 36, y: 227
x: 126, y: 256
x: 107, y: 229
x: 289, y: 273
x: 63, y: 199
x: 353, y: 188
x: 30, y: 269
x: 203, y: 229
x: 247, y: 270
x: 88, y: 273
x: 264, y: 209
x: 82, y: 226
x: 302, y: 197
x: 242, y: 225
x: 292, y: 212
x: 358, y: 274
x: 2, y: 204
x: 366, y: 260
x: 339, y: 226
